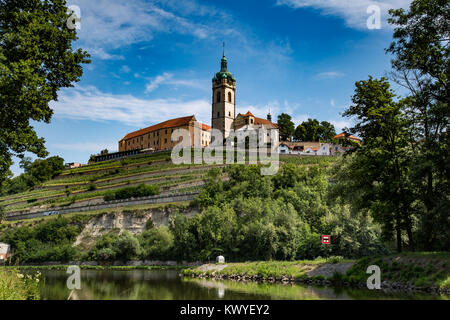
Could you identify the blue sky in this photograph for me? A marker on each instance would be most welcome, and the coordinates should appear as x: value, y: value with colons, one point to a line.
x: 154, y: 60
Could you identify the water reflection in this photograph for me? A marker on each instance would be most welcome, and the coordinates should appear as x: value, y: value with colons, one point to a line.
x: 168, y: 285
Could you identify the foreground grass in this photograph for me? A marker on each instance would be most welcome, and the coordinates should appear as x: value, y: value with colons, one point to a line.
x: 16, y: 286
x: 418, y: 269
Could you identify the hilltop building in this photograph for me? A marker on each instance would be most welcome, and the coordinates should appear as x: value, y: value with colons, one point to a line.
x: 343, y: 135
x: 158, y: 136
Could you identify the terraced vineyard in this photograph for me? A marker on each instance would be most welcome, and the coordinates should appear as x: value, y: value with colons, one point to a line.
x: 88, y: 185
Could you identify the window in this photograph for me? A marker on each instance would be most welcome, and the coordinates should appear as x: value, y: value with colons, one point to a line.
x: 251, y: 120
x: 218, y: 114
x: 229, y: 113
x: 218, y: 96
x: 166, y: 131
x: 165, y: 140
x: 229, y: 96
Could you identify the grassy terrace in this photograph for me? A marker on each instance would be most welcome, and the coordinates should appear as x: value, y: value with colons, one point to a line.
x: 83, y: 184
x: 98, y: 194
x: 93, y: 213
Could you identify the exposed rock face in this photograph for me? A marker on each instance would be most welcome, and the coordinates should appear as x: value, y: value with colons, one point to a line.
x: 133, y: 221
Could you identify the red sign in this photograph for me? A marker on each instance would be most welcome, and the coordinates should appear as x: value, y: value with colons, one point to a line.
x: 326, y: 239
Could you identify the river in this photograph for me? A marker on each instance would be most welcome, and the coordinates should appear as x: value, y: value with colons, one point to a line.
x: 168, y: 285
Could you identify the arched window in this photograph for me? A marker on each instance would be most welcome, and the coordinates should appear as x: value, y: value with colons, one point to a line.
x: 229, y: 96
x: 218, y: 96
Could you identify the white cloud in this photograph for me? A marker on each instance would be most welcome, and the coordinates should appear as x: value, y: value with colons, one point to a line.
x: 154, y: 84
x: 332, y: 103
x: 125, y: 69
x: 354, y: 12
x: 168, y: 79
x: 340, y: 124
x: 89, y: 103
x: 330, y: 75
x: 102, y: 54
x: 107, y: 25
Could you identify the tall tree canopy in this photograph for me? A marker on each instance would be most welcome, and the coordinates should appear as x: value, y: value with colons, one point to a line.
x: 379, y: 171
x: 286, y: 126
x: 36, y: 60
x: 421, y: 64
x: 313, y: 130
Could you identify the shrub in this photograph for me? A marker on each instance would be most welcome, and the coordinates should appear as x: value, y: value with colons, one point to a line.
x: 157, y: 243
x: 92, y: 187
x: 17, y: 286
x: 142, y: 190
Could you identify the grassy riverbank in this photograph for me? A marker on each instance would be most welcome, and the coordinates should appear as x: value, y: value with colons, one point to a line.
x: 90, y: 267
x: 402, y: 271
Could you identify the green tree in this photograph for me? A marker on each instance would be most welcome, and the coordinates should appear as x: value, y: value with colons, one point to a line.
x: 421, y: 65
x: 380, y: 166
x: 313, y: 130
x: 308, y: 131
x: 327, y: 131
x: 157, y: 243
x: 286, y: 127
x: 36, y: 60
x: 127, y: 246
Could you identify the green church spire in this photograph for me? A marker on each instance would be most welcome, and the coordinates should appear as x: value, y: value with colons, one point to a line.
x: 223, y: 64
x: 224, y: 74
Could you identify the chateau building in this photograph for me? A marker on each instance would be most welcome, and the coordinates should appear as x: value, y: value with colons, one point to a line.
x: 158, y: 136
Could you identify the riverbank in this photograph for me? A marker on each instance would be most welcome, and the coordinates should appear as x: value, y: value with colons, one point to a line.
x: 427, y: 272
x: 97, y: 267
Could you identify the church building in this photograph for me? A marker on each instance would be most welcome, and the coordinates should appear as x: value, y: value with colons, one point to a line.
x: 158, y: 136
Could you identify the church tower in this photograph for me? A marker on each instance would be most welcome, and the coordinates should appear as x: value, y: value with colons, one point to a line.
x: 224, y: 99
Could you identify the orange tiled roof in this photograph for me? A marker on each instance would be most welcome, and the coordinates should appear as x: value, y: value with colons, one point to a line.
x: 163, y: 125
x: 259, y: 120
x: 264, y: 121
x: 342, y: 135
x: 206, y: 127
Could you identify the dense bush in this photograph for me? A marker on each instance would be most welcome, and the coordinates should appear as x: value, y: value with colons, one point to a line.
x: 141, y: 190
x: 35, y: 172
x: 279, y: 217
x: 48, y: 241
x: 157, y: 243
x: 154, y: 243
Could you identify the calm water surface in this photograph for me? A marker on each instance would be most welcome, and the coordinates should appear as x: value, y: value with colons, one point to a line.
x: 168, y: 285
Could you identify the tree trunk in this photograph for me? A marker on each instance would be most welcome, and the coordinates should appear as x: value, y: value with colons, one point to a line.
x: 399, y: 234
x: 410, y: 236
